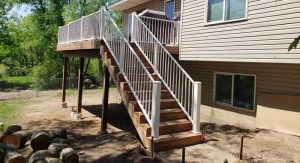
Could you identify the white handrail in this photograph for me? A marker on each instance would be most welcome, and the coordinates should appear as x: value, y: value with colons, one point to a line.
x: 145, y: 89
x: 166, y: 31
x: 184, y: 89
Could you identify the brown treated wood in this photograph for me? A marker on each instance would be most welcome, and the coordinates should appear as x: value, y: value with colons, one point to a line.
x: 87, y: 53
x: 182, y: 139
x: 105, y: 101
x: 40, y: 141
x: 79, y: 45
x: 68, y: 155
x: 175, y: 128
x: 17, y: 139
x: 172, y: 50
x: 170, y: 127
x: 64, y: 81
x: 80, y: 84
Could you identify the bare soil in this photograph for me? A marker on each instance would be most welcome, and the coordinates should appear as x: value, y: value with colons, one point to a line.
x: 122, y: 143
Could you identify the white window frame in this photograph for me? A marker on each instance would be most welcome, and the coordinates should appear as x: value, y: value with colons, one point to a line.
x: 165, y: 6
x: 224, y: 21
x: 232, y: 90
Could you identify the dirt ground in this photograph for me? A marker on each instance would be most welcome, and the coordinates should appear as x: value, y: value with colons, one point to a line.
x: 222, y: 141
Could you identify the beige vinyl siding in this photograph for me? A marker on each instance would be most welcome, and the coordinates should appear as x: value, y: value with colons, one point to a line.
x: 157, y: 5
x: 276, y: 79
x: 264, y: 37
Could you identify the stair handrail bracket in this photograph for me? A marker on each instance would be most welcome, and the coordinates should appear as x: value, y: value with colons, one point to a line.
x: 183, y: 88
x: 145, y: 89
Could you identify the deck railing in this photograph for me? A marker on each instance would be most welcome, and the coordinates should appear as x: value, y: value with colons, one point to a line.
x: 145, y: 89
x: 85, y: 28
x: 186, y: 91
x: 166, y: 31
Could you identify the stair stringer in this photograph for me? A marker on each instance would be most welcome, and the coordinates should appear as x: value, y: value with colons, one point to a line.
x: 120, y: 82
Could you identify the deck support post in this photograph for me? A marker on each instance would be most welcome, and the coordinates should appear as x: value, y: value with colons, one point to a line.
x: 64, y: 82
x: 196, y: 107
x: 105, y: 101
x: 80, y: 84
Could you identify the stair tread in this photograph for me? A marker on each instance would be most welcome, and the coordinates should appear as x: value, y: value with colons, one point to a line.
x: 161, y: 100
x: 171, y: 110
x: 178, y: 135
x: 164, y: 91
x: 171, y: 122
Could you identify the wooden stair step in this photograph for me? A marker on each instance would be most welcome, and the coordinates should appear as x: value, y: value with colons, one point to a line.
x: 165, y: 94
x: 164, y: 104
x: 177, y: 140
x: 125, y: 87
x: 165, y: 115
x: 168, y: 127
x: 149, y: 68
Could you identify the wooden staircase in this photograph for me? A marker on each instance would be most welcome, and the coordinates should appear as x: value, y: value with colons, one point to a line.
x: 175, y: 128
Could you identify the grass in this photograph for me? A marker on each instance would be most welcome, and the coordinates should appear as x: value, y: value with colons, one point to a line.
x: 21, y: 82
x: 9, y: 112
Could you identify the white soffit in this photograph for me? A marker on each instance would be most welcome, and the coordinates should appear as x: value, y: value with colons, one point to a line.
x: 126, y: 4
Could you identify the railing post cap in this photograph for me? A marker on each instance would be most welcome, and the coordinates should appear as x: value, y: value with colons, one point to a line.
x: 157, y: 82
x: 198, y: 83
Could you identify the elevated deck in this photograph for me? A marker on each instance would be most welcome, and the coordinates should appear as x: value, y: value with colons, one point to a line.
x: 162, y: 112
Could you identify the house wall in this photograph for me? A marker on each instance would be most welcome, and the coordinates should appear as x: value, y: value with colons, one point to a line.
x: 157, y: 5
x: 264, y: 37
x: 279, y: 80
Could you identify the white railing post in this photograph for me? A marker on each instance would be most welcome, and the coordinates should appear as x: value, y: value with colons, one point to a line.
x: 68, y: 36
x: 81, y: 28
x: 196, y: 107
x: 132, y: 27
x: 122, y: 53
x: 155, y: 56
x: 155, y: 112
x: 102, y: 21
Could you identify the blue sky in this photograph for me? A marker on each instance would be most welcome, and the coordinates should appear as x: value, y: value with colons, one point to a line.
x: 21, y: 10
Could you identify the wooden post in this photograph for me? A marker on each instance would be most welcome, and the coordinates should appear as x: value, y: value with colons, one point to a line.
x: 64, y: 82
x: 80, y: 84
x: 183, y: 155
x: 241, y: 147
x: 105, y: 101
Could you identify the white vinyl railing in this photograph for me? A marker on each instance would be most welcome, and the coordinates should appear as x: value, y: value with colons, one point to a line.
x: 85, y: 28
x: 146, y: 90
x: 166, y: 31
x: 186, y: 91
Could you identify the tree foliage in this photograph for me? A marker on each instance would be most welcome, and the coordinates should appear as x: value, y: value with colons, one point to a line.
x: 28, y: 44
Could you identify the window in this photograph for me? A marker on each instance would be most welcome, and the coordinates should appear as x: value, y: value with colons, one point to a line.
x: 169, y: 8
x: 236, y: 90
x: 226, y: 10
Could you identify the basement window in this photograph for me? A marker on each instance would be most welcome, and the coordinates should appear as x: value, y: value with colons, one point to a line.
x: 235, y: 90
x: 220, y: 11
